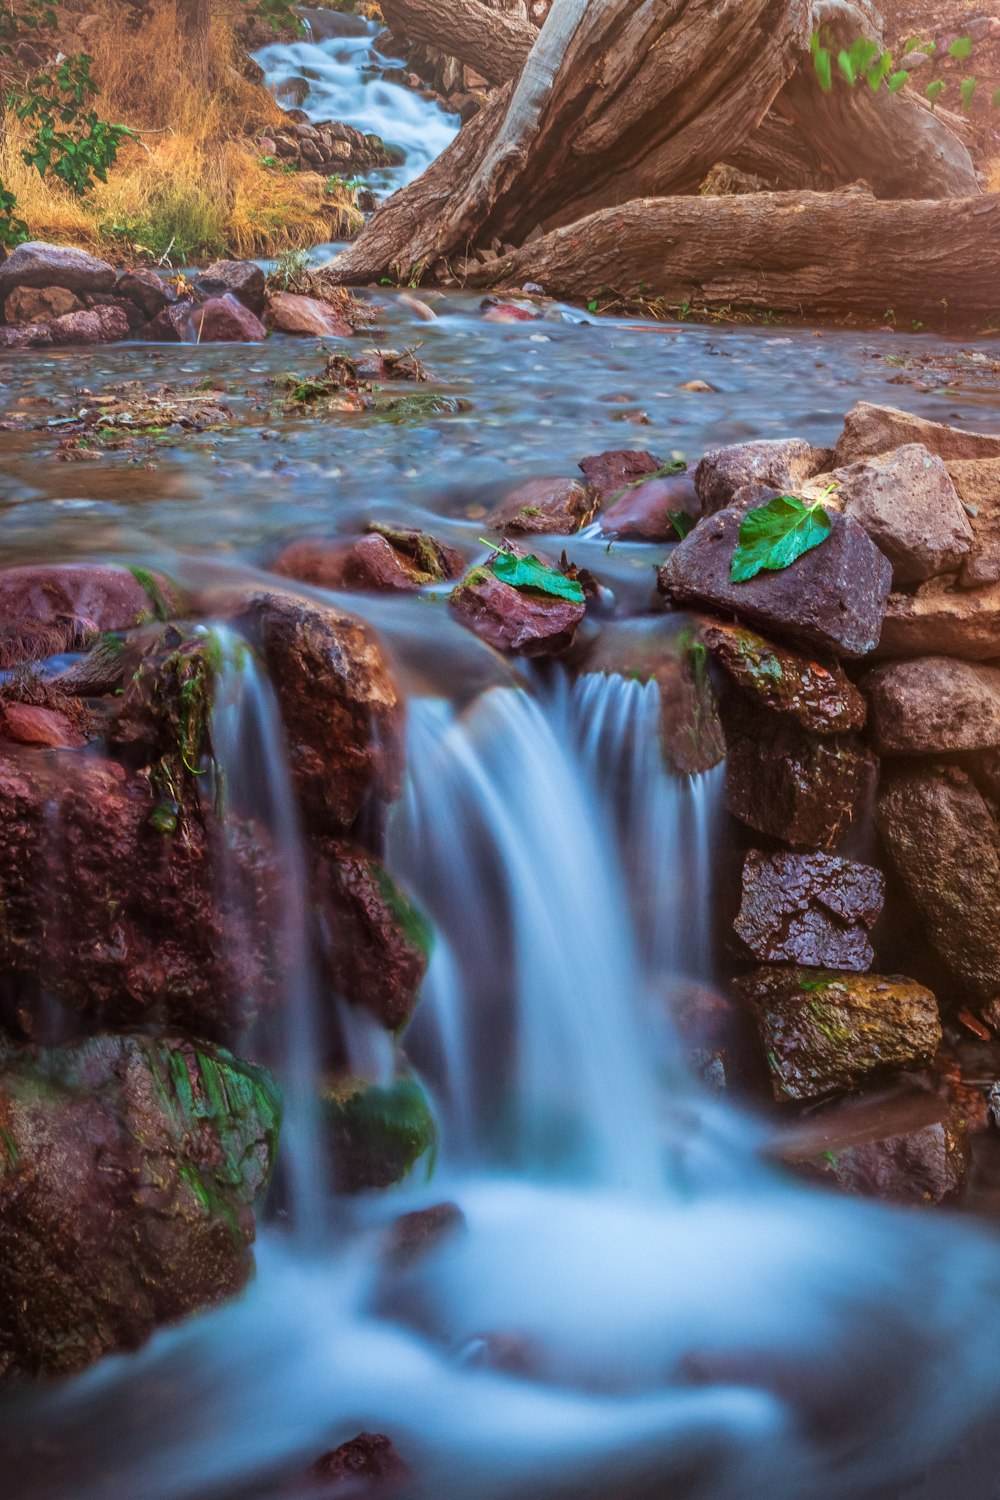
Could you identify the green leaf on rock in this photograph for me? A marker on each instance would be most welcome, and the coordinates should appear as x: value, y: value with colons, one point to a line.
x: 898, y: 81
x: 681, y: 522
x: 967, y: 92
x: 774, y: 535
x: 532, y: 573
x: 960, y: 47
x: 935, y: 90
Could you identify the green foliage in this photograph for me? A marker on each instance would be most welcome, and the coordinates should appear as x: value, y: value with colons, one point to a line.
x: 774, y: 535
x: 531, y: 573
x: 337, y: 184
x: 13, y: 231
x: 280, y: 15
x: 53, y: 101
x: 289, y: 267
x: 863, y: 60
x: 935, y: 90
x: 967, y: 92
x: 16, y: 21
x: 681, y: 522
x: 961, y: 48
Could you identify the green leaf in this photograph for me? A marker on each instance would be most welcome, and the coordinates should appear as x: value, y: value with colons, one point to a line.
x: 862, y: 54
x: 824, y: 68
x: 935, y: 90
x: 846, y: 66
x: 911, y: 45
x: 774, y: 535
x: 879, y: 69
x: 961, y: 47
x: 681, y: 522
x: 532, y: 573
x: 898, y: 81
x: 967, y: 92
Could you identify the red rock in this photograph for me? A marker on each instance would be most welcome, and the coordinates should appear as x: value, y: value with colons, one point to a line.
x: 925, y: 1166
x: 94, y: 325
x: 511, y: 619
x: 243, y: 278
x: 150, y: 293
x: 171, y: 325
x: 288, y: 312
x: 643, y: 514
x: 809, y: 909
x: 908, y: 505
x: 870, y: 430
x: 933, y: 705
x: 48, y: 609
x: 510, y: 312
x: 818, y: 694
x: 560, y: 506
x: 26, y: 724
x: 225, y: 320
x: 612, y: 472
x: 38, y: 264
x: 386, y: 559
x: 26, y: 336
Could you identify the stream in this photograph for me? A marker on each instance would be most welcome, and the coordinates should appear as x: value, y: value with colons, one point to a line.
x: 679, y: 1318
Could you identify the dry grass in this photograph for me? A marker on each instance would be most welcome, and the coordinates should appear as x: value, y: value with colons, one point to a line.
x: 193, y: 181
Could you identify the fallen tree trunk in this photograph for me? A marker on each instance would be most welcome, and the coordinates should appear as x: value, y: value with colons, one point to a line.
x: 493, y: 42
x: 809, y: 254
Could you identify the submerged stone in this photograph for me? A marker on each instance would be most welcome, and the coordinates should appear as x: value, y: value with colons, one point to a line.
x: 387, y: 558
x: 129, y: 1171
x: 824, y: 1031
x: 376, y: 1135
x: 811, y: 909
x: 819, y: 695
x: 559, y: 506
x: 368, y: 1461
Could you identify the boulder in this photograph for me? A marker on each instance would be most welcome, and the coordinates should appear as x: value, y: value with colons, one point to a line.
x: 288, y: 312
x: 376, y: 1135
x: 977, y: 483
x: 945, y: 844
x: 928, y: 1166
x: 37, y: 264
x: 94, y: 325
x: 135, y: 319
x: 375, y: 944
x: 817, y: 694
x: 172, y: 324
x: 39, y: 304
x: 810, y: 909
x: 609, y: 474
x: 908, y: 505
x: 830, y: 1030
x: 732, y: 475
x: 150, y: 293
x: 25, y: 336
x: 870, y: 430
x: 559, y: 506
x: 833, y: 597
x: 341, y: 712
x: 50, y: 608
x: 245, y: 279
x: 387, y: 558
x: 33, y: 724
x: 788, y: 784
x: 129, y: 1171
x: 509, y: 619
x: 933, y: 705
x: 225, y: 320
x: 942, y: 619
x: 644, y: 512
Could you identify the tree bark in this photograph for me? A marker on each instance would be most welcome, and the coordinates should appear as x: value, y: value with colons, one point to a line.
x: 808, y: 254
x: 493, y: 42
x: 194, y: 23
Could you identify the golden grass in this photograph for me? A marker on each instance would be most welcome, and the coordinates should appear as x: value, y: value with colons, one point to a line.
x: 193, y: 177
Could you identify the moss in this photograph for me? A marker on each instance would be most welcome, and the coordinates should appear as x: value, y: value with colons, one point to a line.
x: 379, y: 1134
x: 149, y: 583
x: 415, y: 927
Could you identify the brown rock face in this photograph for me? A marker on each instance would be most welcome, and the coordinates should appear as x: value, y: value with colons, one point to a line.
x: 510, y: 619
x: 818, y: 695
x: 828, y: 1030
x: 870, y: 430
x: 908, y: 505
x: 933, y: 705
x: 944, y: 842
x: 925, y: 1166
x: 27, y: 724
x: 559, y: 506
x: 39, y: 304
x: 728, y: 476
x: 243, y: 278
x: 789, y: 784
x: 833, y: 597
x: 611, y: 472
x: 149, y: 292
x: 644, y: 512
x: 977, y: 482
x: 94, y: 325
x: 940, y: 619
x: 369, y: 1461
x: 37, y: 264
x: 129, y: 1170
x: 341, y: 712
x: 48, y: 609
x: 225, y: 320
x: 288, y: 312
x: 809, y: 909
x: 388, y: 558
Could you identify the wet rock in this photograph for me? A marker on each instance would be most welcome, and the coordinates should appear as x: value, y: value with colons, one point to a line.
x: 826, y: 1030
x: 925, y: 1166
x: 37, y: 264
x: 667, y: 650
x: 94, y: 325
x: 732, y: 475
x: 129, y: 1171
x: 634, y: 506
x: 414, y: 1234
x: 908, y: 505
x: 933, y: 705
x: 341, y: 711
x: 135, y: 319
x: 149, y: 292
x: 786, y: 783
x: 225, y: 320
x: 809, y: 909
x: 945, y: 844
x: 375, y: 944
x: 707, y: 1024
x: 376, y: 1135
x: 870, y: 430
x: 559, y: 506
x: 527, y: 622
x: 243, y: 278
x: 39, y: 304
x: 26, y: 336
x: 367, y: 1461
x: 48, y: 609
x: 833, y: 597
x: 288, y: 312
x: 32, y: 724
x: 387, y: 558
x: 510, y: 312
x: 610, y: 473
x: 172, y: 324
x: 977, y: 482
x: 818, y: 695
x: 942, y: 619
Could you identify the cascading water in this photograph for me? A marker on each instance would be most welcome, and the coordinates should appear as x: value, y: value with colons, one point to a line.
x: 338, y: 75
x: 598, y: 1326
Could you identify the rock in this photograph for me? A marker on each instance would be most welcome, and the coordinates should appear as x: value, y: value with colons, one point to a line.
x: 388, y: 558
x: 945, y: 845
x: 644, y: 513
x: 712, y: 1038
x: 870, y: 430
x: 510, y: 312
x: 135, y: 319
x: 172, y: 324
x: 47, y: 609
x: 933, y: 705
x: 906, y: 502
x: 149, y: 292
x: 941, y: 619
x: 810, y: 909
x: 95, y: 325
x: 559, y: 506
x: 977, y: 482
x: 414, y: 1234
x: 367, y: 1459
x: 611, y: 473
x: 129, y: 1171
x: 28, y: 724
x: 243, y: 278
x: 288, y: 312
x: 341, y: 711
x: 818, y: 695
x: 833, y: 597
x: 39, y: 304
x: 783, y: 464
x: 784, y: 782
x: 925, y: 1166
x: 510, y: 619
x: 376, y: 1135
x: 225, y: 320
x: 37, y: 264
x: 375, y: 944
x: 27, y: 336
x: 667, y: 650
x: 826, y: 1030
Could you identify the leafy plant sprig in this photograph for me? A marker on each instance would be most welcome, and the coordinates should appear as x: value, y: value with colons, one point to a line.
x: 864, y: 61
x: 775, y: 535
x: 61, y: 99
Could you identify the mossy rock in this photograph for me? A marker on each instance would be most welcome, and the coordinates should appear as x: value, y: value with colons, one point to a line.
x: 377, y: 1135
